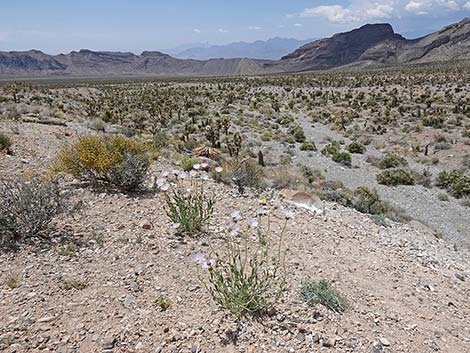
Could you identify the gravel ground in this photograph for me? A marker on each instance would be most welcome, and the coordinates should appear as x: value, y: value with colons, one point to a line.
x: 449, y: 220
x: 408, y: 291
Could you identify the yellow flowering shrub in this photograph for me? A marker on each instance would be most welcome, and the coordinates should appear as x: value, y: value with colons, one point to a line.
x: 108, y: 159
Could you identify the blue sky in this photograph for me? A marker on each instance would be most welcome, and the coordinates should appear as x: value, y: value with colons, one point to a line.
x: 135, y: 25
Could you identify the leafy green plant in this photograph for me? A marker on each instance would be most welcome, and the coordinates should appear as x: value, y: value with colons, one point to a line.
x: 395, y: 176
x: 322, y: 292
x: 246, y: 278
x: 163, y: 303
x: 187, y: 204
x: 187, y: 163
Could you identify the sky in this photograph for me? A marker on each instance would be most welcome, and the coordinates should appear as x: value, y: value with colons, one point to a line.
x: 60, y: 26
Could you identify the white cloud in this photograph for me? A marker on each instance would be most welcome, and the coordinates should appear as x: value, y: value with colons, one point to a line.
x: 369, y: 10
x: 196, y: 30
x: 221, y: 30
x: 254, y: 28
x: 298, y: 24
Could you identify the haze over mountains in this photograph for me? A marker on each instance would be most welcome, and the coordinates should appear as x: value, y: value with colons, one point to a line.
x: 372, y: 45
x: 271, y: 49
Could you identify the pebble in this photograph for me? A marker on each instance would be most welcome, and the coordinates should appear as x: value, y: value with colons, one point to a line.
x: 385, y: 342
x: 108, y: 343
x: 329, y: 342
x: 129, y: 300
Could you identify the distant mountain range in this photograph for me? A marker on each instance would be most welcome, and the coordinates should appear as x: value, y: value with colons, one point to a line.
x: 372, y: 45
x: 271, y: 49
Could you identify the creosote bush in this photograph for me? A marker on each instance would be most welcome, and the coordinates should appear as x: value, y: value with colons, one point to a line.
x: 247, y: 277
x: 27, y: 208
x: 343, y: 158
x: 322, y: 292
x: 5, y: 143
x: 455, y: 181
x: 308, y: 146
x: 356, y: 147
x: 118, y: 161
x: 391, y: 160
x: 395, y: 176
x: 187, y: 204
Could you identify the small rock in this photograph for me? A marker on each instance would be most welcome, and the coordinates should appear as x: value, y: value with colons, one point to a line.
x: 129, y: 300
x: 460, y: 276
x: 300, y: 336
x: 147, y: 225
x: 139, y: 346
x: 329, y: 342
x: 46, y: 319
x: 108, y: 343
x: 385, y: 342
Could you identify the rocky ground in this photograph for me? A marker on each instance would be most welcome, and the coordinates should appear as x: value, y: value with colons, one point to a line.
x: 93, y: 287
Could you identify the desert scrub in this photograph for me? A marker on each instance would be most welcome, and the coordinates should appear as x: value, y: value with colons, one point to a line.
x: 5, y: 143
x: 322, y: 292
x: 395, y: 176
x: 356, y: 147
x: 456, y: 182
x: 117, y: 161
x: 187, y: 163
x: 297, y: 132
x: 246, y: 173
x: 367, y: 200
x: 247, y: 277
x: 391, y: 160
x: 28, y: 207
x: 308, y: 146
x: 188, y: 206
x: 331, y: 148
x: 343, y: 158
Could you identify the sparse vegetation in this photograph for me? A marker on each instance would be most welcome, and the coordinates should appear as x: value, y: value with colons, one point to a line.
x: 247, y: 279
x: 356, y: 147
x: 395, y: 176
x: 187, y: 203
x: 117, y: 161
x: 454, y: 181
x: 5, y: 143
x: 28, y: 207
x: 322, y: 292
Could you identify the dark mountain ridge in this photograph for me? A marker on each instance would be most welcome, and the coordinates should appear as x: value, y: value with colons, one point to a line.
x: 372, y: 45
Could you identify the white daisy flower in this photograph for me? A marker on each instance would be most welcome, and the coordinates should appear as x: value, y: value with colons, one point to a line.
x: 231, y: 230
x: 252, y: 222
x: 235, y: 215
